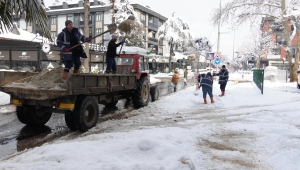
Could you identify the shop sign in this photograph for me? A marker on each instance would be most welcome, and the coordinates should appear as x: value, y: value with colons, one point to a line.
x: 4, y: 55
x: 24, y: 55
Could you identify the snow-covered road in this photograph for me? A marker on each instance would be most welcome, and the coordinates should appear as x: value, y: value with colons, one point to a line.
x: 243, y: 130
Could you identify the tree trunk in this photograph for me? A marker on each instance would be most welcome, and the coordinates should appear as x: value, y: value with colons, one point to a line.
x: 258, y: 62
x: 287, y: 37
x: 86, y: 33
x: 296, y: 63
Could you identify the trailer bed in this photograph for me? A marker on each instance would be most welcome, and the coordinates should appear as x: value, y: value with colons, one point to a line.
x: 77, y: 84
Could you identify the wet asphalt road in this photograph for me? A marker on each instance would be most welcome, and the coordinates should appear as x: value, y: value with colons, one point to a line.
x: 14, y: 136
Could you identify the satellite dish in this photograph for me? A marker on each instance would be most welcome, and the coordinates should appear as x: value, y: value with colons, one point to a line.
x: 46, y: 48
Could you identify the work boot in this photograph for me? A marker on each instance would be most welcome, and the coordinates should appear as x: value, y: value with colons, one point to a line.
x: 64, y: 75
x: 205, y: 102
x: 223, y: 94
x: 212, y: 100
x: 75, y: 71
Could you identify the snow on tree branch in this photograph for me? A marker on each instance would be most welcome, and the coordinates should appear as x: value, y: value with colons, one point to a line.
x: 176, y: 32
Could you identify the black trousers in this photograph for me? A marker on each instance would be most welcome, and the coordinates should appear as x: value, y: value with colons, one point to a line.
x: 222, y: 87
x: 111, y: 65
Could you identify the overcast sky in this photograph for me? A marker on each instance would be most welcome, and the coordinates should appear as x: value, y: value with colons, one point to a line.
x: 198, y: 15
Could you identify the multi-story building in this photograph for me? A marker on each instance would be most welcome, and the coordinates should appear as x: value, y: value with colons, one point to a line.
x: 99, y: 18
x: 274, y: 54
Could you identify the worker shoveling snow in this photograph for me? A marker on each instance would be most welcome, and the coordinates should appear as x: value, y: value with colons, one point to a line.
x: 44, y: 80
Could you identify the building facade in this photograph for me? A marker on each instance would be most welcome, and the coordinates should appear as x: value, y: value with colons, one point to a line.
x: 99, y: 18
x: 275, y: 54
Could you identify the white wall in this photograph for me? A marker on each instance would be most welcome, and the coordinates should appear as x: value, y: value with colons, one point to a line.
x: 61, y: 19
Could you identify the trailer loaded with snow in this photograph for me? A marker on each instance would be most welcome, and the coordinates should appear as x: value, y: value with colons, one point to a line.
x: 37, y: 96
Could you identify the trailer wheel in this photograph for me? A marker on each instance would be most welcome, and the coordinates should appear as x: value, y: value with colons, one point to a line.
x: 69, y: 119
x: 36, y: 116
x: 141, y: 95
x: 86, y: 113
x: 21, y: 115
x: 154, y: 93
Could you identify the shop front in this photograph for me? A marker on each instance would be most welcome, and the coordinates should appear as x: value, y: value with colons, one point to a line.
x: 4, y: 60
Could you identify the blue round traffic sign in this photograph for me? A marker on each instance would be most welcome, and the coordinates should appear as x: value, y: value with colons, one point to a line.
x: 217, y: 61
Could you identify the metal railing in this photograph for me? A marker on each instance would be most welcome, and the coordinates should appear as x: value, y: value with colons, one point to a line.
x: 258, y: 79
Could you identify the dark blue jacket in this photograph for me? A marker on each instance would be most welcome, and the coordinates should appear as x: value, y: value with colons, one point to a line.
x: 64, y: 41
x: 223, y: 76
x: 207, y: 82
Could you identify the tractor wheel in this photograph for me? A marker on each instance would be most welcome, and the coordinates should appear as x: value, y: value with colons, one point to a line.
x: 36, y: 116
x: 69, y: 119
x: 86, y: 113
x: 21, y: 115
x: 141, y: 95
x: 154, y: 93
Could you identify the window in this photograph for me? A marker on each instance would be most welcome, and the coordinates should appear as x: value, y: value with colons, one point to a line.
x: 160, y: 23
x: 280, y: 40
x: 99, y: 17
x: 90, y: 32
x: 90, y: 17
x: 98, y: 31
x: 150, y: 19
x: 276, y: 51
x: 81, y: 17
x: 70, y: 17
x: 53, y: 34
x: 143, y: 17
x: 141, y: 64
x: 29, y: 24
x: 53, y: 20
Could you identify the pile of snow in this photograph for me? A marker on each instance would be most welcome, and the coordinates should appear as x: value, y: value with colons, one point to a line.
x: 44, y: 80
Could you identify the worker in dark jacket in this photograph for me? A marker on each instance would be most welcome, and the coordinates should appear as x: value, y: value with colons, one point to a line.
x: 69, y: 37
x: 112, y: 53
x: 206, y: 84
x: 223, y: 78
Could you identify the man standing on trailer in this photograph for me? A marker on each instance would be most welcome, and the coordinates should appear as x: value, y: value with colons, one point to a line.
x: 112, y: 53
x: 69, y: 37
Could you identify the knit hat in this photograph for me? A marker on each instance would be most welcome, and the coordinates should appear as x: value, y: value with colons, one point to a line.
x: 68, y: 22
x: 114, y: 36
x: 223, y: 66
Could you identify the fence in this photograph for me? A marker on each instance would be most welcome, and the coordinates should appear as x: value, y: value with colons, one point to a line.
x: 258, y: 79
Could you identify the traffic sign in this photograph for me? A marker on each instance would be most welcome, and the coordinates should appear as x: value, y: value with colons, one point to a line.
x: 217, y: 61
x: 217, y: 55
x: 210, y: 56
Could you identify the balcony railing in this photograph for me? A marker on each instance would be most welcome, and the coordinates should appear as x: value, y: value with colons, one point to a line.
x: 82, y: 22
x: 152, y: 25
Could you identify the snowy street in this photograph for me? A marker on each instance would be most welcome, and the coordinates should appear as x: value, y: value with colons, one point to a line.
x: 243, y: 130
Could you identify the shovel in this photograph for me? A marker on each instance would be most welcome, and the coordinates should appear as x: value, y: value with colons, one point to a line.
x: 111, y: 29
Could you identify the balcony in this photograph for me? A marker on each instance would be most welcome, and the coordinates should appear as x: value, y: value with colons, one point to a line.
x: 152, y: 26
x: 153, y: 39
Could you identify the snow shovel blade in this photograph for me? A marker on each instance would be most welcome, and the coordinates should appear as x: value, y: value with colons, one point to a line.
x: 112, y: 28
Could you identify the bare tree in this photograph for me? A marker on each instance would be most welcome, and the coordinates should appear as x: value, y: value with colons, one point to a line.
x: 238, y: 11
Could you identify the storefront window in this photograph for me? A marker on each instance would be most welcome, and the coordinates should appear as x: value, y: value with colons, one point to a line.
x: 4, y: 65
x: 25, y: 65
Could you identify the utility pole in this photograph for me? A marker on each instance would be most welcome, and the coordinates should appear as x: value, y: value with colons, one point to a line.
x: 218, y: 47
x: 171, y: 54
x: 219, y: 25
x: 86, y: 33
